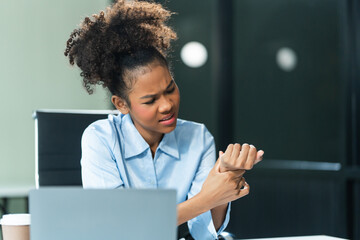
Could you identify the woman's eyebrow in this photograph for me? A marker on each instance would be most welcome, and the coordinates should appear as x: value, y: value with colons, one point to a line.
x: 170, y: 84
x: 154, y: 95
x: 148, y: 96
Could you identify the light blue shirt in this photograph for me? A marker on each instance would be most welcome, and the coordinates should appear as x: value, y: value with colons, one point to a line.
x: 114, y: 155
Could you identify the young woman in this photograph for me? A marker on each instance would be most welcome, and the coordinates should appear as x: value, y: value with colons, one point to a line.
x: 146, y: 145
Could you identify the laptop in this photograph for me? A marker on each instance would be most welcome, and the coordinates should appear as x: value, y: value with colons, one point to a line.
x: 95, y: 214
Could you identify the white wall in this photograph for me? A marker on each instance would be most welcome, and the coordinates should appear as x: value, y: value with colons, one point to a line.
x: 35, y: 74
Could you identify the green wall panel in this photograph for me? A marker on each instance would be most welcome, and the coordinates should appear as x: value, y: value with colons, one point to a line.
x: 35, y: 74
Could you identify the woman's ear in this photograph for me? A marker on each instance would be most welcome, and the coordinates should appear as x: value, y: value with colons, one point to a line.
x: 120, y: 104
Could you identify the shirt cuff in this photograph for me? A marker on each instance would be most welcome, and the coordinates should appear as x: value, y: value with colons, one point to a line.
x: 202, y: 227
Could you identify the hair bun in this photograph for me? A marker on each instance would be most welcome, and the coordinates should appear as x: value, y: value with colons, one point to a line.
x: 100, y: 40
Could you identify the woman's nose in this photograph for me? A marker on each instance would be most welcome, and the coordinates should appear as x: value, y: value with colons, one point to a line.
x: 165, y: 105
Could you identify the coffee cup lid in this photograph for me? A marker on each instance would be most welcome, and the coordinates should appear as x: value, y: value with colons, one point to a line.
x: 15, y: 219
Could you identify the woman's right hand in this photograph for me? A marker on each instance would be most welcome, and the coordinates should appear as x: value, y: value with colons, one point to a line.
x: 238, y: 157
x: 223, y: 187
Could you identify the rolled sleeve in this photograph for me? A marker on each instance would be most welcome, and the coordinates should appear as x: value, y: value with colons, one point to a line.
x: 202, y: 227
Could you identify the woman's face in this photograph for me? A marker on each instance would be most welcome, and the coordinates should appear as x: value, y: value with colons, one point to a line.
x: 154, y: 100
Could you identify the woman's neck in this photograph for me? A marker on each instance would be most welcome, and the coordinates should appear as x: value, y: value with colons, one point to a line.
x: 151, y: 138
x: 154, y: 143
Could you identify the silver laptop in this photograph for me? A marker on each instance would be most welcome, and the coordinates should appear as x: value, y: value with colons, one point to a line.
x: 97, y: 214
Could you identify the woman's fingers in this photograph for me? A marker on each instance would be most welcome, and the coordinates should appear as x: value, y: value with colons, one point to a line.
x: 239, y: 156
x: 241, y: 161
x: 239, y: 188
x: 244, y: 191
x: 241, y: 183
x: 223, y: 187
x: 259, y: 156
x: 235, y: 152
x: 250, y: 158
x: 227, y: 162
x: 229, y: 150
x: 217, y: 166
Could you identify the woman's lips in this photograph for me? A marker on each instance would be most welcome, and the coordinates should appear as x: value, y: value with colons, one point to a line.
x: 168, y: 120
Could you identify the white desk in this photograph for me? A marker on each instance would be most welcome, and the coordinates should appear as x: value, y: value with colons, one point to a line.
x: 319, y: 237
x: 13, y: 191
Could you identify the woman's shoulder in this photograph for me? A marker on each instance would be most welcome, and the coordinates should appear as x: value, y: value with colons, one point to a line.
x: 103, y: 130
x: 102, y: 125
x: 191, y: 128
x: 181, y: 123
x: 193, y: 136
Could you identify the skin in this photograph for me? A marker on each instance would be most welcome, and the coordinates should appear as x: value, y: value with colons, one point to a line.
x: 155, y: 96
x: 237, y: 157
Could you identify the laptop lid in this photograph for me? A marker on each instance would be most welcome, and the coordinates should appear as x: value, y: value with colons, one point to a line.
x: 95, y: 214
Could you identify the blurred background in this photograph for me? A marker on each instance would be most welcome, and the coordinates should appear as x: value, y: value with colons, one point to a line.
x: 282, y: 75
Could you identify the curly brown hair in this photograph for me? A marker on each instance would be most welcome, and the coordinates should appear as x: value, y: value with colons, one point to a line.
x: 119, y: 40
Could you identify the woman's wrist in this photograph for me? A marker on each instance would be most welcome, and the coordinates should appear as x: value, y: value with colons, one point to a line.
x: 205, y: 201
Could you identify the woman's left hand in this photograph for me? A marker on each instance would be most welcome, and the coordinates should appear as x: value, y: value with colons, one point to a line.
x: 237, y: 157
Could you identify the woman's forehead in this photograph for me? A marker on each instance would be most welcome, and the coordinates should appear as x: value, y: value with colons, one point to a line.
x: 151, y: 79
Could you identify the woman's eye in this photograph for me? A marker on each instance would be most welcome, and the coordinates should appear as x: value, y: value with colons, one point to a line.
x: 150, y: 102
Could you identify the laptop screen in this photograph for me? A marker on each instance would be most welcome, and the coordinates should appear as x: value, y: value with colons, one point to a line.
x: 76, y: 213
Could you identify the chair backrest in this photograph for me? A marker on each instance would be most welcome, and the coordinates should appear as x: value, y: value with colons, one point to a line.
x: 58, y: 144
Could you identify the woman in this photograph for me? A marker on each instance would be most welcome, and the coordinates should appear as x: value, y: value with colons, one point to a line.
x: 147, y: 146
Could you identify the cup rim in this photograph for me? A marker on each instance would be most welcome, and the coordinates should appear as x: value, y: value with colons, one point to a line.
x: 16, y: 219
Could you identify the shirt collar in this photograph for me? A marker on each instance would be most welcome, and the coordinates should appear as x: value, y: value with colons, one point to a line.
x: 169, y: 145
x: 135, y: 143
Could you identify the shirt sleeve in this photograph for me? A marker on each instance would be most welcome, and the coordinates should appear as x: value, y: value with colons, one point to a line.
x: 202, y: 226
x: 98, y: 164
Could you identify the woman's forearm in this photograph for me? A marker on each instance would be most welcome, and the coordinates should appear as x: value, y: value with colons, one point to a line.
x: 195, y: 206
x: 190, y: 208
x: 217, y: 190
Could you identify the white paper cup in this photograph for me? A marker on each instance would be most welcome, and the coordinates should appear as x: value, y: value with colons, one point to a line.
x: 15, y: 226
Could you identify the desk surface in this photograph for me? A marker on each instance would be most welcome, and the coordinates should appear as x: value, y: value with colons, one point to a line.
x: 10, y: 191
x: 322, y: 237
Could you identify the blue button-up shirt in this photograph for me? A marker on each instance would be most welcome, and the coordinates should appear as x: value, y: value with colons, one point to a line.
x: 114, y: 155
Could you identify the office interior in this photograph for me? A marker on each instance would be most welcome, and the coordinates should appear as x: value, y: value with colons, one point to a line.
x: 281, y: 74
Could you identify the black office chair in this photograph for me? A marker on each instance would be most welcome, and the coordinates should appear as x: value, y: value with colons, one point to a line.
x: 58, y: 144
